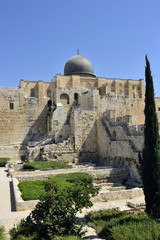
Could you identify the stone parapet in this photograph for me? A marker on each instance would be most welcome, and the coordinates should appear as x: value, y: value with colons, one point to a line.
x: 107, y: 195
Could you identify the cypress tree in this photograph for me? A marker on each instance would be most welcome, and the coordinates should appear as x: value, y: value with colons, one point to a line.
x: 151, y: 154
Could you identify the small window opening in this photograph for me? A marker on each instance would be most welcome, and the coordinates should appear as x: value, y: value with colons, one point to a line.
x: 11, y: 106
x: 114, y: 135
x: 32, y: 92
x: 76, y: 98
x: 49, y: 103
x: 48, y: 93
x: 159, y: 109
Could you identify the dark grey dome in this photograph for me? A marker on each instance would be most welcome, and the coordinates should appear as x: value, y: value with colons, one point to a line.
x: 78, y: 65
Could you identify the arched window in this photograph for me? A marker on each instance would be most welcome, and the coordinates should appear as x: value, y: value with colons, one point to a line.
x: 48, y: 93
x: 76, y: 98
x: 64, y: 98
x: 32, y: 93
x: 88, y: 85
x: 49, y: 103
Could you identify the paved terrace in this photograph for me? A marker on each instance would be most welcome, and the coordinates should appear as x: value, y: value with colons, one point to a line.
x: 8, y: 214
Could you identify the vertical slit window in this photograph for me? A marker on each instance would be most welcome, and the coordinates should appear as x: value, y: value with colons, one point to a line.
x: 11, y: 106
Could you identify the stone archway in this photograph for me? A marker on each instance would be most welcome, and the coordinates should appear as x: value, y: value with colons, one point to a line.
x: 88, y: 85
x: 64, y: 98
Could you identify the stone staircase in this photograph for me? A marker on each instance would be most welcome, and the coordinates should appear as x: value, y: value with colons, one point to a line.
x: 109, y: 126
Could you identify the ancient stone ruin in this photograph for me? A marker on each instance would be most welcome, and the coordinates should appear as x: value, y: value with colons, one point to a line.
x: 76, y: 118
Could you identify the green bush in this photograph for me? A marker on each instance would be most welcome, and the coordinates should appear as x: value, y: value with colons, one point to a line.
x: 2, y: 233
x: 55, y: 213
x: 3, y: 161
x: 32, y: 190
x: 44, y: 165
x: 116, y: 225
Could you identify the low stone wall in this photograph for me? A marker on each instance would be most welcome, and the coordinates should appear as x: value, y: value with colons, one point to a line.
x: 105, y: 196
x: 99, y: 174
x: 22, y: 205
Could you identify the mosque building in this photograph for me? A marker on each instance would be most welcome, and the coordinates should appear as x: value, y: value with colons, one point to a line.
x: 76, y: 117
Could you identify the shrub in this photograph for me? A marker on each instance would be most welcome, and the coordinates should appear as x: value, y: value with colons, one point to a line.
x: 2, y: 233
x: 32, y: 190
x: 116, y: 225
x: 21, y: 237
x: 3, y: 161
x: 55, y: 213
x: 44, y: 165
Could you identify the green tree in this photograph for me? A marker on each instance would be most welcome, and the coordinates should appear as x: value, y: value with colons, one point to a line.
x: 55, y: 214
x: 151, y: 155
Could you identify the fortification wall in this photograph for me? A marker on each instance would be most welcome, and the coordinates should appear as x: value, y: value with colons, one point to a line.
x: 115, y: 141
x: 21, y: 119
x: 121, y: 106
x: 83, y: 128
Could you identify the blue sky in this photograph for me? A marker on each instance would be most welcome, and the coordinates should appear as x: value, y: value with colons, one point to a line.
x: 39, y: 36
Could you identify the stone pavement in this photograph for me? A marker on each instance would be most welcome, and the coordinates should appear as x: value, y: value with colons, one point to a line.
x: 8, y: 214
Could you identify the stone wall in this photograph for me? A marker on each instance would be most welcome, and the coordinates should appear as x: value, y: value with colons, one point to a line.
x: 83, y: 128
x: 22, y: 117
x: 116, y: 195
x: 120, y: 106
x: 116, y: 139
x: 82, y: 102
x: 22, y: 205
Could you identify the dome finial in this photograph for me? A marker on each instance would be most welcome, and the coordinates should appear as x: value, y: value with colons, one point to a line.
x: 78, y: 51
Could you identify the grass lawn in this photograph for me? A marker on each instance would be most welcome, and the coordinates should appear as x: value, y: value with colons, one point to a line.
x: 32, y: 190
x: 116, y: 225
x: 3, y: 161
x: 20, y: 237
x: 44, y: 165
